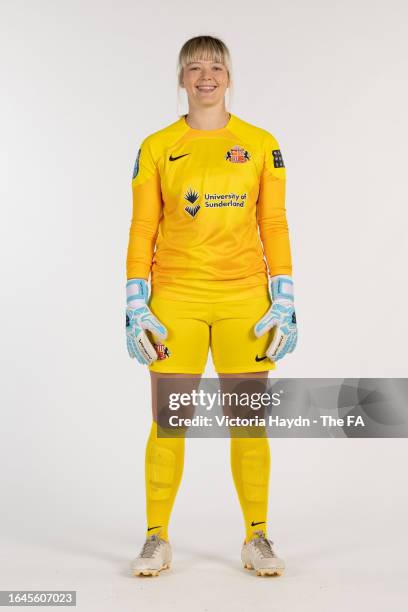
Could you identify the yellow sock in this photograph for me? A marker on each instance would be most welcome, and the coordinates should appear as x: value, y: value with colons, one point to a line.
x: 163, y: 471
x: 250, y: 464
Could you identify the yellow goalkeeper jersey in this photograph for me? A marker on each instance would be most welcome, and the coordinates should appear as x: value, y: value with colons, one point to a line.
x: 209, y: 216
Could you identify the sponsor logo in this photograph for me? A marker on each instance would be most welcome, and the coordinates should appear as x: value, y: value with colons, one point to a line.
x: 277, y: 159
x: 257, y: 523
x: 237, y: 155
x: 192, y: 197
x: 281, y: 341
x: 192, y: 210
x: 143, y: 348
x: 171, y: 158
x: 260, y: 358
x: 150, y: 528
x: 222, y: 200
x: 136, y: 168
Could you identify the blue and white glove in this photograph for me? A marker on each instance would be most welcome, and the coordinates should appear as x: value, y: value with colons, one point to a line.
x: 138, y: 318
x: 281, y: 316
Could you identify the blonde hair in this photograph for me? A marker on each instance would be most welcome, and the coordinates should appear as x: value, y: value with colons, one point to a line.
x: 208, y: 48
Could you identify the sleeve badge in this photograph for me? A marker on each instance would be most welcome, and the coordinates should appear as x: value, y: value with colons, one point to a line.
x: 277, y: 159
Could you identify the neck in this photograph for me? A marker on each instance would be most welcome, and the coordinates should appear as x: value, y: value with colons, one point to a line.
x: 213, y: 118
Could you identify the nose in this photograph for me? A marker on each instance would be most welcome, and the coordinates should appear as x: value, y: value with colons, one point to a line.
x: 207, y: 73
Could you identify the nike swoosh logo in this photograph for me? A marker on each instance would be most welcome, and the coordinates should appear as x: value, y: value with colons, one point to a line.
x: 150, y: 528
x: 260, y: 358
x: 171, y: 158
x: 258, y: 523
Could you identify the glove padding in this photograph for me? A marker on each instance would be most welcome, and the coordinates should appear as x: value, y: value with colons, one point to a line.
x: 139, y: 318
x: 281, y: 316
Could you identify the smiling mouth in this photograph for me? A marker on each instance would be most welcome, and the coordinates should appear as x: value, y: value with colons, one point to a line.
x: 206, y: 88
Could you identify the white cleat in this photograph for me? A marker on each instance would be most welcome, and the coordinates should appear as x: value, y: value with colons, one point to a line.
x: 154, y: 557
x: 258, y: 554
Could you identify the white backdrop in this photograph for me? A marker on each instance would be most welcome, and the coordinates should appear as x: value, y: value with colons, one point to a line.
x: 83, y: 83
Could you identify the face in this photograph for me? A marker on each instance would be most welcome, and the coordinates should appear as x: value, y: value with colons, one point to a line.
x: 205, y: 82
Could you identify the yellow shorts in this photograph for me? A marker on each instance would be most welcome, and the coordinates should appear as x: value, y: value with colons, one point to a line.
x: 226, y: 327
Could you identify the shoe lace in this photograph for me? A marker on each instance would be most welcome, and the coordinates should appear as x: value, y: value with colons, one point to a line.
x: 263, y: 545
x: 150, y: 546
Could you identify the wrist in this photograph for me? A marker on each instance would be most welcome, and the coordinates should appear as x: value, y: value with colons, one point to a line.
x: 137, y: 290
x: 281, y: 287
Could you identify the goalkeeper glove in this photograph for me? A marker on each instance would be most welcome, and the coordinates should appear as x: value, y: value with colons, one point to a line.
x: 139, y: 318
x: 281, y: 316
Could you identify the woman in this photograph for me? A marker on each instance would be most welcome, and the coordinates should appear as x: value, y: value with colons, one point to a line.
x: 202, y: 187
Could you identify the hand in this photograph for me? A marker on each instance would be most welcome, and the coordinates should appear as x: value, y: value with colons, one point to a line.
x: 281, y: 316
x: 139, y: 318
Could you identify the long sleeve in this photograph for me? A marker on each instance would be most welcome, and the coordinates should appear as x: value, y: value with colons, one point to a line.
x: 271, y: 212
x: 147, y: 210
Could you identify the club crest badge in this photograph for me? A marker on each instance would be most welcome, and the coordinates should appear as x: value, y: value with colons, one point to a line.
x: 162, y: 351
x: 192, y: 197
x: 237, y: 155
